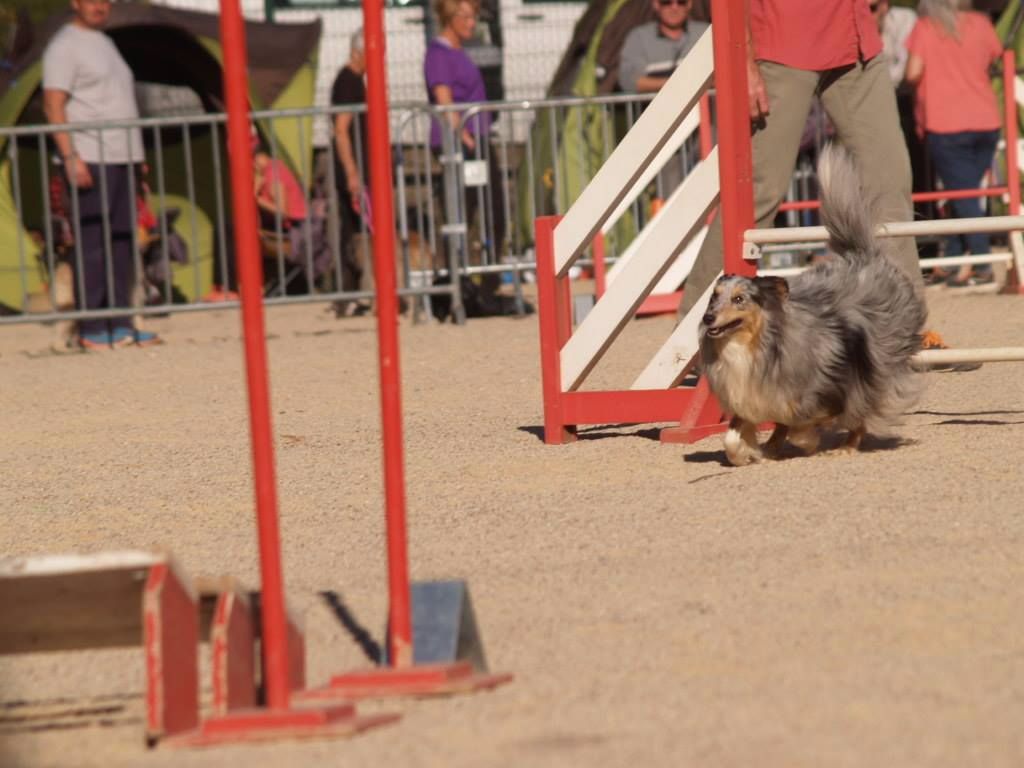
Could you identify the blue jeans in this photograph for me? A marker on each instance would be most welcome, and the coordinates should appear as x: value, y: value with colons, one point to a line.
x: 961, y: 160
x: 105, y: 280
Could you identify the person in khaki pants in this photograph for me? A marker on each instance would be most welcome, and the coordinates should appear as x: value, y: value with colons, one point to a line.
x: 796, y: 49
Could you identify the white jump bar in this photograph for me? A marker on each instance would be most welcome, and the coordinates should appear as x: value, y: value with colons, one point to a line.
x: 892, y: 229
x: 958, y: 261
x: 992, y: 355
x: 945, y: 261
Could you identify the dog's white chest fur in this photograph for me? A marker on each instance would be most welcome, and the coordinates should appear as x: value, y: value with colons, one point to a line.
x: 739, y: 388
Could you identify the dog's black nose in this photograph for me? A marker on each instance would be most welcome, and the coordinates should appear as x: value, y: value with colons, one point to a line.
x: 708, y: 319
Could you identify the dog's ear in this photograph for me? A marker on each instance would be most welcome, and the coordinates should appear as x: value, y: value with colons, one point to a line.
x: 773, y: 286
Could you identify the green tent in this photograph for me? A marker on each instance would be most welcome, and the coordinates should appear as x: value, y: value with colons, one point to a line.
x: 570, y: 144
x: 169, y: 47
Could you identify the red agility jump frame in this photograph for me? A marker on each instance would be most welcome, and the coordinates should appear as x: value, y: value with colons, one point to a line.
x: 565, y: 358
x: 695, y: 408
x: 322, y: 711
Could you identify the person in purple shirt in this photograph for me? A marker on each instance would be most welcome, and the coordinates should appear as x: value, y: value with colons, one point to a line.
x: 453, y: 78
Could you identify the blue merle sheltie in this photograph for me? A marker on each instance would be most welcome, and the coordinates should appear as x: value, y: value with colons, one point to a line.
x: 830, y: 348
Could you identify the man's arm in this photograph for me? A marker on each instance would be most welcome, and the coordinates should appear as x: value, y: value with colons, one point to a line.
x: 347, y: 156
x: 77, y: 171
x: 649, y: 83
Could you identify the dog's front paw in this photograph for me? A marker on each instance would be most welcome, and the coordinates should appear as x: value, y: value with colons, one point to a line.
x: 740, y: 450
x: 744, y: 457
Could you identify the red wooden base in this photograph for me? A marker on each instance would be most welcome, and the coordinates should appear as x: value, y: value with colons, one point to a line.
x: 267, y: 724
x: 232, y: 641
x: 170, y: 638
x: 688, y: 435
x: 423, y: 680
x: 232, y: 647
x: 660, y: 304
x: 565, y: 411
x: 701, y: 418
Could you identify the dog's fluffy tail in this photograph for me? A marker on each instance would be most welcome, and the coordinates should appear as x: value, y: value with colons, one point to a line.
x: 844, y: 211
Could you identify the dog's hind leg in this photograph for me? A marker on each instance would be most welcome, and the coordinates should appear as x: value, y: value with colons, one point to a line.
x: 806, y: 438
x: 853, y: 440
x: 741, y: 446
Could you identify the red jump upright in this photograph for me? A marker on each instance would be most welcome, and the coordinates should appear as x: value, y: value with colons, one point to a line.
x: 1015, y: 277
x: 278, y: 719
x: 694, y: 408
x: 401, y: 677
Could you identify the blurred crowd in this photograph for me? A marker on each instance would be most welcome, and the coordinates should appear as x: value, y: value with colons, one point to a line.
x: 906, y: 88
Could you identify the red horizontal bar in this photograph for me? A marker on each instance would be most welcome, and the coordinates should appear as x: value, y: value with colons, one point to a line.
x: 424, y: 674
x: 917, y: 197
x: 631, y: 406
x: 660, y: 304
x: 257, y: 719
x: 958, y: 194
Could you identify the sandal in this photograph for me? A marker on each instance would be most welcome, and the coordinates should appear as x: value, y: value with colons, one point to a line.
x: 971, y: 280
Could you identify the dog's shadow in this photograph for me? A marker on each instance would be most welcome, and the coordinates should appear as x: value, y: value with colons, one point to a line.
x: 602, y: 431
x: 960, y: 418
x: 831, y: 443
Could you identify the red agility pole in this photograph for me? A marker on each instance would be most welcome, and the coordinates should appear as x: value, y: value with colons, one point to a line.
x: 696, y: 410
x: 401, y: 677
x: 735, y: 162
x: 1015, y: 280
x: 399, y: 617
x: 278, y: 719
x: 1010, y: 134
x: 250, y: 275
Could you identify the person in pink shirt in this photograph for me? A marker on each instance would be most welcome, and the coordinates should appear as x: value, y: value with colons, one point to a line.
x: 278, y: 193
x: 282, y: 203
x: 951, y: 51
x: 799, y: 49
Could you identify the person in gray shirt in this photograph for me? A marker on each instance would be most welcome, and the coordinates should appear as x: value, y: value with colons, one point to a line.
x: 649, y: 55
x: 85, y: 79
x: 651, y: 51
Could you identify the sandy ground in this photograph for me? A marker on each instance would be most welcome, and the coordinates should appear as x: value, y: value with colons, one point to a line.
x: 657, y: 607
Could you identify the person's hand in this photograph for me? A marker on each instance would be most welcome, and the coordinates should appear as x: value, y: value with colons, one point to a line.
x: 355, y: 194
x: 77, y: 171
x: 756, y: 92
x: 468, y: 139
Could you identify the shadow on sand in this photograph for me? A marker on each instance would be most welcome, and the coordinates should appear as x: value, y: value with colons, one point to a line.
x: 830, y: 441
x: 602, y: 431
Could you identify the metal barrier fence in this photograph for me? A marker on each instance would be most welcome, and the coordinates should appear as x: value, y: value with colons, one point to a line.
x: 178, y: 234
x: 460, y: 210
